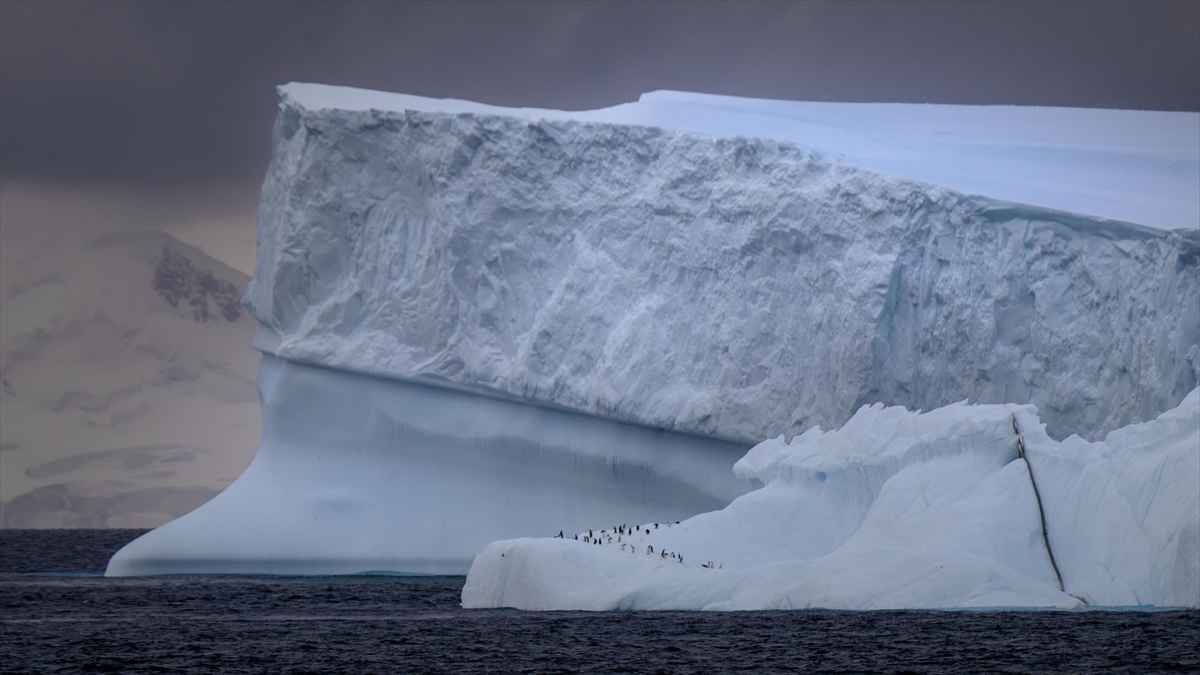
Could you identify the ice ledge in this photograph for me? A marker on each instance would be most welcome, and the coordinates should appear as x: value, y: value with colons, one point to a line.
x: 361, y: 474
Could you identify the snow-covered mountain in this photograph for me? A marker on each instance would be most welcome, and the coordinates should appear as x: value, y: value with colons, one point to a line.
x: 128, y: 392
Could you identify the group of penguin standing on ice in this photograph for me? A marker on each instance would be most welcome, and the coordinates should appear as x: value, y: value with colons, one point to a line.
x: 606, y: 537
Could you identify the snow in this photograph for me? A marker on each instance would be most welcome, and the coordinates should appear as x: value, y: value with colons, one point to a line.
x: 725, y: 286
x: 901, y: 510
x: 1131, y: 165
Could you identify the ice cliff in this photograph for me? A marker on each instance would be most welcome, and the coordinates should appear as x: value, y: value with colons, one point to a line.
x: 726, y: 286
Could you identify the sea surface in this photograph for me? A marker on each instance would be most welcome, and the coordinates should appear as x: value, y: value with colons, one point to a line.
x: 57, y: 614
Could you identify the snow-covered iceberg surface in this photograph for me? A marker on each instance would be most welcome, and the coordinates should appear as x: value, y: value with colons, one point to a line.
x: 363, y: 474
x: 726, y: 286
x: 900, y: 510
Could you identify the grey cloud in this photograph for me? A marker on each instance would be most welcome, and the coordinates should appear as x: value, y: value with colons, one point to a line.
x: 169, y: 93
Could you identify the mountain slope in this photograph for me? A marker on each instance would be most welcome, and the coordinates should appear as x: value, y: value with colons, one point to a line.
x: 128, y: 395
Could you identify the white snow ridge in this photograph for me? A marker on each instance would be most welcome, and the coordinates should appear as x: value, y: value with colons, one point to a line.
x: 482, y: 323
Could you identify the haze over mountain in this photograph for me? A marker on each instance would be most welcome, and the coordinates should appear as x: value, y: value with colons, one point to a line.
x: 128, y: 391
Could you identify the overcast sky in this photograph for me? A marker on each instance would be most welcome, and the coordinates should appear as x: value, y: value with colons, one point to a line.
x: 164, y: 94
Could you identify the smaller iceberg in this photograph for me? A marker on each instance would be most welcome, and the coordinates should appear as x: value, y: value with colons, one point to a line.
x: 966, y: 506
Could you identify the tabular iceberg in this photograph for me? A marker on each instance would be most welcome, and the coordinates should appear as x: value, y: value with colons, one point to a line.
x: 483, y: 323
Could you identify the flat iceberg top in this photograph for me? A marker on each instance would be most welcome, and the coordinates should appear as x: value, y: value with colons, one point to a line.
x: 1136, y: 166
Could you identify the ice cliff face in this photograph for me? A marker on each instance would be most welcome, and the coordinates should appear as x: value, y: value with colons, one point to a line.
x: 732, y: 287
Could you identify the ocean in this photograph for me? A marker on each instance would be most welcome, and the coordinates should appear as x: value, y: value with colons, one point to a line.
x: 58, y: 614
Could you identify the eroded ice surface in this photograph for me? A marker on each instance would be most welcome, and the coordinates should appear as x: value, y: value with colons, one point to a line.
x: 901, y: 510
x: 363, y: 474
x: 726, y: 286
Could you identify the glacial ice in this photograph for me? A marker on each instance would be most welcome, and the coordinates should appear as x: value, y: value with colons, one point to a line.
x: 362, y: 474
x: 901, y: 510
x: 481, y: 324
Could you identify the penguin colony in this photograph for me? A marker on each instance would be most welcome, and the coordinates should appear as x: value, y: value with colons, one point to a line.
x: 621, y: 531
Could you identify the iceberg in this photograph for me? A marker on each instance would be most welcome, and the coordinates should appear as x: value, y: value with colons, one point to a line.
x: 961, y: 507
x: 482, y: 323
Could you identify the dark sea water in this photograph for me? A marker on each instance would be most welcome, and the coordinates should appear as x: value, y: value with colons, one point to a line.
x: 58, y: 615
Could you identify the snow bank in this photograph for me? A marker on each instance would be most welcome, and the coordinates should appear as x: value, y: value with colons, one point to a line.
x: 900, y: 510
x: 725, y: 286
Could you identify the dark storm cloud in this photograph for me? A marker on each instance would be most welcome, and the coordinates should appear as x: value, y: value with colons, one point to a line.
x: 167, y: 93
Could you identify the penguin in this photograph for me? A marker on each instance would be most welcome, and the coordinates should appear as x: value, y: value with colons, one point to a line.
x: 656, y: 526
x: 649, y: 550
x: 560, y: 534
x: 589, y: 533
x: 576, y: 537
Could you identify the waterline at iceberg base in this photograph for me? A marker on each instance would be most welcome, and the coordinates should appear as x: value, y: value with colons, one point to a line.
x: 366, y: 474
x: 901, y: 510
